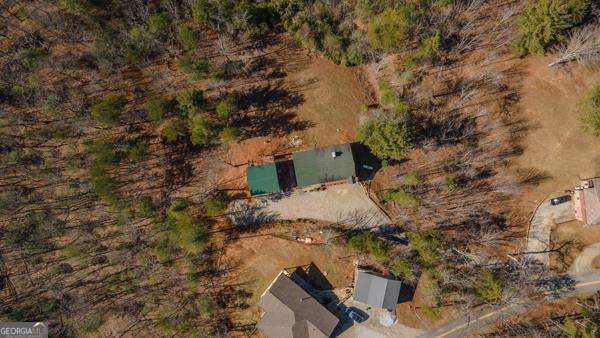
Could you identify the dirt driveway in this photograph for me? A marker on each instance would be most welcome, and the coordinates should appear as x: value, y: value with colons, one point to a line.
x: 544, y: 218
x: 585, y: 261
x: 346, y: 204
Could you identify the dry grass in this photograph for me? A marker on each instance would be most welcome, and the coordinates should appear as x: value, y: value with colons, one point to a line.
x: 262, y: 256
x: 332, y: 102
x: 556, y: 143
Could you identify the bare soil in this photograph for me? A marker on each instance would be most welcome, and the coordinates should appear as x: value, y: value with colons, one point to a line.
x: 596, y: 263
x: 332, y: 101
x: 422, y: 311
x: 262, y: 256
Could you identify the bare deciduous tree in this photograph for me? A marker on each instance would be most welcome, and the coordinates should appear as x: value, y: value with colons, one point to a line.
x: 582, y: 45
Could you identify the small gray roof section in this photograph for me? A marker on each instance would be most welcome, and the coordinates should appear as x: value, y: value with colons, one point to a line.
x: 292, y: 312
x: 376, y: 290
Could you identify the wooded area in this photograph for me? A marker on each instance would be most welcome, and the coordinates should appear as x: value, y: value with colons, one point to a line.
x: 115, y: 118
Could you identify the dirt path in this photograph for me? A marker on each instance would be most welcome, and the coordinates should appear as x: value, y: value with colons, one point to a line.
x: 585, y: 261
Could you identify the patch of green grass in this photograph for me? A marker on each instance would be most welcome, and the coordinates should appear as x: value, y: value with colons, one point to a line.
x: 92, y: 324
x: 72, y: 250
x: 450, y: 183
x: 366, y: 241
x: 590, y: 106
x: 488, y: 286
x: 411, y: 179
x: 432, y: 312
x: 215, y: 206
x: 400, y: 196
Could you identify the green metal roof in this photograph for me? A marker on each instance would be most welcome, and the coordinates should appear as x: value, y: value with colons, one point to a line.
x: 317, y: 166
x: 262, y: 179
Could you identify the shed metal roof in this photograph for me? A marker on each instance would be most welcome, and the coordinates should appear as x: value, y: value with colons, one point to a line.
x: 316, y: 166
x: 376, y: 290
x: 262, y: 179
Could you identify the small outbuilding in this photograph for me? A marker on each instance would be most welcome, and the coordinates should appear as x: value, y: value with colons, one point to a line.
x: 376, y: 290
x: 262, y: 179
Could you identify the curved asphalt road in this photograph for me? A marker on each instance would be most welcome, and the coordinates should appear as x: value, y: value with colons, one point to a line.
x: 585, y: 283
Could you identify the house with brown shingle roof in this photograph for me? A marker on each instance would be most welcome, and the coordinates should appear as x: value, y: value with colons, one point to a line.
x: 289, y: 311
x: 586, y: 201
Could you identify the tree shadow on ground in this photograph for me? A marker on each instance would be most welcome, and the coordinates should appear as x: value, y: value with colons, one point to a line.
x: 367, y: 164
x: 272, y: 122
x: 448, y: 130
x: 361, y: 219
x: 407, y: 293
x: 263, y: 97
x: 270, y: 113
x: 247, y: 217
x: 313, y: 275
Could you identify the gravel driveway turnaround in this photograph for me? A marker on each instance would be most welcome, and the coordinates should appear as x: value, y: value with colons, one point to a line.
x: 345, y: 204
x: 584, y: 261
x: 544, y: 218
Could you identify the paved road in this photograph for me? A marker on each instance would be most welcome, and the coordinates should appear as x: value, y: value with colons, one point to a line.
x: 544, y: 218
x: 585, y: 283
x: 345, y: 203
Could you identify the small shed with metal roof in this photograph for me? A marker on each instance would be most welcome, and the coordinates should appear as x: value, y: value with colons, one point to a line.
x: 376, y: 290
x: 262, y: 179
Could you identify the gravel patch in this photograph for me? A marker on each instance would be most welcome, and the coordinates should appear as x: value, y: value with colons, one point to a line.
x: 544, y: 218
x: 346, y: 204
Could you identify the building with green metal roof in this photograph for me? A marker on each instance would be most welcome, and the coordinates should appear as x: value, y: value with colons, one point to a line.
x: 262, y: 179
x: 321, y: 165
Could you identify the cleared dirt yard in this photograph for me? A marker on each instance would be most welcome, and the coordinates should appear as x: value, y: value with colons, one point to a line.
x: 332, y: 102
x: 331, y: 99
x: 583, y: 249
x: 556, y: 143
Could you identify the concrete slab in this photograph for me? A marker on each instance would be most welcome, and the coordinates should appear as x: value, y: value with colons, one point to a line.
x: 372, y: 328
